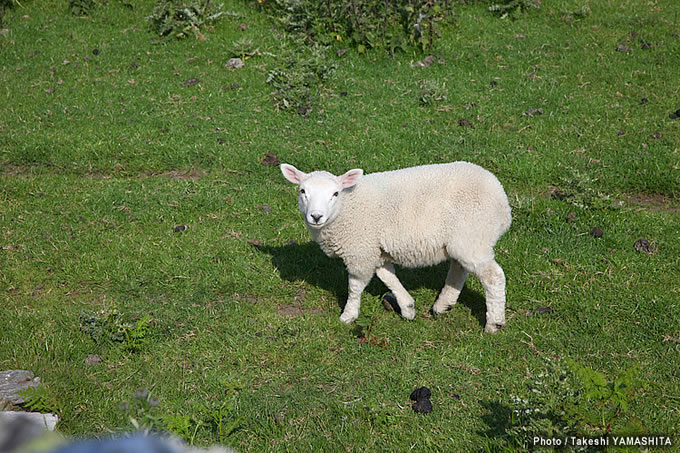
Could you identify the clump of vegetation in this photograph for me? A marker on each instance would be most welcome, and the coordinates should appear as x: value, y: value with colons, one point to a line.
x: 298, y: 78
x: 40, y: 399
x: 432, y: 92
x: 513, y: 8
x: 4, y: 6
x: 569, y: 399
x: 112, y: 328
x: 583, y: 192
x: 364, y: 24
x: 606, y: 401
x: 179, y: 19
x: 145, y: 415
x: 243, y: 48
x: 80, y: 7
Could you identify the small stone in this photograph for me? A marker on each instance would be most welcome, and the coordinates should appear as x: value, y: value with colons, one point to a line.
x: 421, y: 393
x: 644, y: 101
x: 571, y: 217
x: 559, y: 195
x: 534, y: 112
x: 596, y: 232
x: 464, y: 123
x: 493, y: 83
x: 422, y: 406
x: 93, y: 359
x: 622, y: 48
x: 255, y: 243
x: 191, y: 82
x: 180, y: 228
x: 271, y: 160
x: 243, y: 27
x: 544, y: 310
x: 642, y: 245
x: 265, y: 208
x: 234, y: 63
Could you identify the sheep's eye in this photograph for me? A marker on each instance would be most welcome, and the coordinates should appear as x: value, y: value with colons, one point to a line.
x: 336, y: 194
x: 302, y: 191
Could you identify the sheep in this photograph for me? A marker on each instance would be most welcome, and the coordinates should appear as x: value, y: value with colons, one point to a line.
x: 413, y: 217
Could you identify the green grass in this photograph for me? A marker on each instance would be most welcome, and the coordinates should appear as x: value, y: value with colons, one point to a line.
x: 103, y: 156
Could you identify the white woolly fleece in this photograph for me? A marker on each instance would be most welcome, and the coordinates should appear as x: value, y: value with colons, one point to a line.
x: 415, y: 217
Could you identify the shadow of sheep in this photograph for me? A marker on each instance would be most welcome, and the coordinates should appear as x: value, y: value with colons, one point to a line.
x: 307, y: 263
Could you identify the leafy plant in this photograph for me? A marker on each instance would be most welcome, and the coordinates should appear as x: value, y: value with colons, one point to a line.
x: 135, y: 336
x: 80, y: 7
x: 541, y: 412
x: 573, y: 400
x: 243, y: 48
x: 432, y: 92
x: 176, y: 18
x: 298, y: 78
x: 40, y: 399
x: 111, y: 328
x: 389, y: 25
x: 609, y: 398
x: 145, y: 416
x: 584, y: 193
x: 513, y: 8
x: 221, y: 416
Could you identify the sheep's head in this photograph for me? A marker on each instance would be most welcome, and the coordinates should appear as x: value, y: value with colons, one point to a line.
x: 321, y: 193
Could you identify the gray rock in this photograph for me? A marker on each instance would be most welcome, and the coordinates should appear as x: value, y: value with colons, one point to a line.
x: 20, y: 428
x: 13, y: 381
x: 235, y: 63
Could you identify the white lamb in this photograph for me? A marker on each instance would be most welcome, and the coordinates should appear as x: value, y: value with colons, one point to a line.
x: 413, y: 217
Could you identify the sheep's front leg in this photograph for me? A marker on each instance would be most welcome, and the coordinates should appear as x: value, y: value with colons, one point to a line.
x: 389, y: 278
x: 356, y: 287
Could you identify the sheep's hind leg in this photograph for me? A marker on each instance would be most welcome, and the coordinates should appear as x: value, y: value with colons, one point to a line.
x: 455, y: 280
x: 389, y: 278
x: 356, y: 287
x: 493, y: 280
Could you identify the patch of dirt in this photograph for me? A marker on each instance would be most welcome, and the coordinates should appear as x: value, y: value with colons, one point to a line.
x: 192, y: 174
x: 293, y: 310
x: 250, y: 298
x: 14, y: 170
x: 654, y: 202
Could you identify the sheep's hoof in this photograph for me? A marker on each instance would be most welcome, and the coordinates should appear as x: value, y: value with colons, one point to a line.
x: 409, y: 313
x: 493, y: 328
x: 348, y: 318
x: 436, y: 311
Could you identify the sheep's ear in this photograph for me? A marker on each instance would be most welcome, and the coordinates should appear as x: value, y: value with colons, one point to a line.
x: 350, y: 178
x: 292, y: 174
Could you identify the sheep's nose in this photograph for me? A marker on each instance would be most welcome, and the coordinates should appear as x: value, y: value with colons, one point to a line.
x: 317, y: 217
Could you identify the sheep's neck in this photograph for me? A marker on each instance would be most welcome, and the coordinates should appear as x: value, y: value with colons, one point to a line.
x: 326, y: 238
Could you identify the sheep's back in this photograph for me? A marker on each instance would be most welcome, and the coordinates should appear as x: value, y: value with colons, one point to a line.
x: 414, y: 213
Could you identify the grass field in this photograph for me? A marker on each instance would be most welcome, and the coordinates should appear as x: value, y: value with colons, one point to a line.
x: 109, y: 139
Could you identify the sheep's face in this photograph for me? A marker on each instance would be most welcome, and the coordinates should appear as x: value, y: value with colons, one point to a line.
x: 320, y: 198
